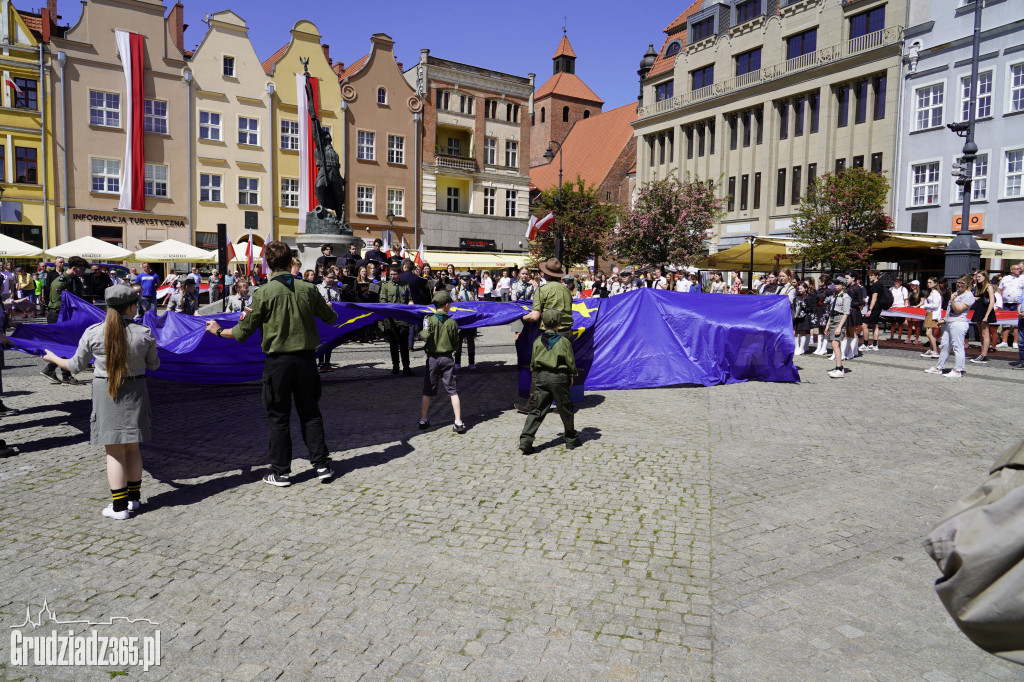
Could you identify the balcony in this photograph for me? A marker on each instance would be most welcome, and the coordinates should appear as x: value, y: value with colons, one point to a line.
x: 826, y: 55
x: 455, y: 162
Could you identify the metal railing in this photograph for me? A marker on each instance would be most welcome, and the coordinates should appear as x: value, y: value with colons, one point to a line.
x: 826, y: 55
x: 455, y: 162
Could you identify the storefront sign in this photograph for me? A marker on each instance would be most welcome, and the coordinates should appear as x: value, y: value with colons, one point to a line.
x: 976, y: 221
x: 128, y: 220
x: 478, y: 244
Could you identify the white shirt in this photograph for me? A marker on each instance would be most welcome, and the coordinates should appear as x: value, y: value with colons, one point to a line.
x: 683, y: 285
x: 661, y: 283
x: 899, y: 297
x: 932, y: 304
x: 1011, y: 287
x: 504, y: 284
x: 487, y: 284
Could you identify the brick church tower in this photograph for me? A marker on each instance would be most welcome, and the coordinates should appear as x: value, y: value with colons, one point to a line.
x: 559, y: 103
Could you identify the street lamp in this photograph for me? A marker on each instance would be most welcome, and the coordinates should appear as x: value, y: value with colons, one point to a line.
x: 550, y: 156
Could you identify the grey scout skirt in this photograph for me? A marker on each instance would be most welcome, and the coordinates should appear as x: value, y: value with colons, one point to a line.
x: 120, y: 421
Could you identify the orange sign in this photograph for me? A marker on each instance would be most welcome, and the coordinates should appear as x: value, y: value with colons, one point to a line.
x: 977, y: 221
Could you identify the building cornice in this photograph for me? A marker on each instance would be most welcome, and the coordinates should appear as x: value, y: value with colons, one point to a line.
x: 472, y: 80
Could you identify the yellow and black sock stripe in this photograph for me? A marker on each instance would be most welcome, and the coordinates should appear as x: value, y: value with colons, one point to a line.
x: 120, y: 497
x: 135, y: 490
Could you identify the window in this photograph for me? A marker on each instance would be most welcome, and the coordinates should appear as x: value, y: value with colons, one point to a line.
x: 510, y: 203
x: 858, y: 161
x: 876, y: 162
x: 210, y: 188
x: 733, y: 131
x: 364, y: 199
x: 840, y: 165
x: 795, y: 191
x: 289, y: 193
x: 489, y: 194
x: 396, y: 202
x: 929, y: 106
x: 843, y: 105
x: 814, y: 106
x: 104, y: 109
x: 744, y: 189
x: 490, y: 151
x: 924, y: 186
x: 454, y: 147
x: 512, y: 113
x: 747, y: 124
x: 154, y: 117
x: 700, y: 139
x: 780, y: 189
x: 663, y: 91
x: 748, y: 62
x: 382, y: 96
x: 699, y: 30
x: 565, y: 114
x: 984, y: 101
x: 812, y: 175
x: 364, y: 145
x: 511, y: 154
x: 673, y: 48
x: 860, y: 92
x: 443, y: 99
x: 491, y: 109
x: 396, y: 149
x: 209, y: 126
x: 979, y: 184
x: 106, y: 176
x: 731, y: 199
x: 453, y: 197
x: 878, y: 85
x: 248, y: 130
x: 757, y: 190
x: 25, y: 165
x: 801, y: 44
x: 1014, y: 173
x: 290, y: 135
x: 703, y: 77
x: 867, y: 22
x: 228, y: 67
x: 689, y: 141
x: 28, y: 98
x: 543, y: 114
x: 248, y: 191
x: 465, y: 104
x: 758, y: 119
x: 783, y: 119
x: 798, y: 116
x: 747, y: 10
x: 1016, y: 87
x: 156, y: 180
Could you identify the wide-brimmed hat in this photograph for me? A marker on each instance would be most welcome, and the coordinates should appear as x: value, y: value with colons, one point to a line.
x: 552, y: 267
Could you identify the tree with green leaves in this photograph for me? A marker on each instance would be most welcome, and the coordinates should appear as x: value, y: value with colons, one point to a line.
x: 669, y: 223
x: 840, y: 217
x: 582, y: 221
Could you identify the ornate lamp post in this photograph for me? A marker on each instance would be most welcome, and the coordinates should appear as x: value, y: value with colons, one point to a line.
x: 550, y: 156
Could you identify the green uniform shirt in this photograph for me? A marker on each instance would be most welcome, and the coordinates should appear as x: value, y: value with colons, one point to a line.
x: 392, y: 292
x: 555, y: 295
x: 68, y: 283
x: 441, y: 336
x: 283, y: 310
x: 559, y: 358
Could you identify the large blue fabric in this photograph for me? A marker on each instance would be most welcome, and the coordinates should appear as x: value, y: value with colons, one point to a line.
x: 642, y: 339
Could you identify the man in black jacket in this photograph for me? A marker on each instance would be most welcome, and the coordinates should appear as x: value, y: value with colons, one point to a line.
x: 419, y: 292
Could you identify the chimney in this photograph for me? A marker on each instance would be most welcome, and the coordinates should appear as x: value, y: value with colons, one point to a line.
x: 327, y: 52
x: 48, y: 16
x: 176, y: 20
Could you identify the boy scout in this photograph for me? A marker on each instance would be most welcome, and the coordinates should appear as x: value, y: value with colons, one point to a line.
x: 552, y: 295
x: 553, y: 365
x: 70, y: 282
x: 396, y: 331
x: 441, y: 334
x: 283, y: 311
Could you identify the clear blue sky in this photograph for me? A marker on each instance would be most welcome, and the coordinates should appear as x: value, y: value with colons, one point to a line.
x: 609, y: 38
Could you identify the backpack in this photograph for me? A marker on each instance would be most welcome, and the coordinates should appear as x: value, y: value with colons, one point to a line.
x: 885, y: 299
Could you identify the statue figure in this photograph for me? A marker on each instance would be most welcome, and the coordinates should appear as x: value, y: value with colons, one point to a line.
x: 329, y: 186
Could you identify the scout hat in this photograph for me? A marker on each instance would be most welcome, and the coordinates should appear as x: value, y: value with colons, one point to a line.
x: 552, y: 267
x: 441, y: 299
x: 840, y: 280
x: 551, y: 318
x: 120, y: 295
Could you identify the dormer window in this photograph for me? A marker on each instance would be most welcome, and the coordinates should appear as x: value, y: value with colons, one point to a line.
x: 747, y: 10
x: 699, y: 30
x: 673, y: 48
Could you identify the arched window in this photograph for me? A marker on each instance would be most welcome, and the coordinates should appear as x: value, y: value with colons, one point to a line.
x: 586, y: 113
x: 542, y: 114
x: 565, y: 114
x: 673, y: 48
x: 382, y: 96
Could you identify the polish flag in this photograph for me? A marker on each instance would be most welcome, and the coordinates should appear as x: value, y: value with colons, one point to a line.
x: 421, y: 255
x: 531, y: 228
x: 307, y: 162
x: 9, y: 82
x: 231, y: 253
x: 264, y: 266
x: 249, y: 256
x: 131, y: 47
x: 386, y: 246
x: 403, y: 253
x: 544, y: 223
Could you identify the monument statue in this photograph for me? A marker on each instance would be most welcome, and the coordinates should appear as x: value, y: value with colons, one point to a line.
x: 329, y: 215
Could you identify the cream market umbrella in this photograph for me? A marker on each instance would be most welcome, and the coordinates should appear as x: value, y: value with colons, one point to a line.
x: 89, y: 248
x: 13, y: 248
x: 173, y: 251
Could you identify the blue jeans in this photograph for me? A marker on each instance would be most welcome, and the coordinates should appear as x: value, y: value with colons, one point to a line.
x: 147, y: 303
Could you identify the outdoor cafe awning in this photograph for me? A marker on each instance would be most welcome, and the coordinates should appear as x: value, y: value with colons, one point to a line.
x: 463, y: 260
x: 173, y: 251
x: 90, y: 249
x: 15, y: 248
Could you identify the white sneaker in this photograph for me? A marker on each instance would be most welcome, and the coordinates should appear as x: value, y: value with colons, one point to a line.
x: 1015, y: 345
x: 837, y: 373
x: 933, y: 370
x: 1002, y: 345
x: 926, y: 354
x: 109, y: 512
x: 133, y: 505
x: 798, y: 351
x: 955, y: 374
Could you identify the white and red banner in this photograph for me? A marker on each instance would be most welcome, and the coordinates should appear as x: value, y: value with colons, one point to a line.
x: 1003, y: 317
x: 131, y: 47
x: 421, y: 255
x: 536, y: 226
x: 307, y: 161
x: 9, y: 83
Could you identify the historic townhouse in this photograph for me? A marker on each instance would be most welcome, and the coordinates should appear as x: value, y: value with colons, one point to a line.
x: 475, y: 164
x: 284, y: 69
x: 133, y: 190
x: 936, y: 92
x: 232, y: 130
x: 382, y: 114
x: 763, y: 98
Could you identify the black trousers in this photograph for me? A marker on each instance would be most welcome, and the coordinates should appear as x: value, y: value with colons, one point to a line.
x: 287, y: 376
x: 469, y: 336
x: 51, y: 370
x: 549, y: 386
x: 398, y: 341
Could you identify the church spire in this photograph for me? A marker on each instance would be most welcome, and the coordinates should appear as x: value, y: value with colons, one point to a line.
x: 565, y: 58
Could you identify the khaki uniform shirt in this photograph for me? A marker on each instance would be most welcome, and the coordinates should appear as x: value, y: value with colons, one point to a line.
x: 283, y: 310
x: 559, y: 358
x: 555, y: 295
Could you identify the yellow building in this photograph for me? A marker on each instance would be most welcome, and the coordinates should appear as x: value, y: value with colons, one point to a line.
x: 282, y: 67
x: 26, y: 142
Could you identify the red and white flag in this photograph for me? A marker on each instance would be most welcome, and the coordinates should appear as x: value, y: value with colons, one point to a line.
x: 531, y: 228
x: 231, y: 253
x: 421, y: 255
x: 403, y: 253
x: 544, y: 223
x: 386, y: 246
x: 307, y: 162
x: 9, y: 82
x: 131, y: 47
x: 264, y: 265
x: 249, y: 256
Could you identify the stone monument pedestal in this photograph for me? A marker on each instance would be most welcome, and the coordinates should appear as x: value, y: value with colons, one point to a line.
x: 308, y: 246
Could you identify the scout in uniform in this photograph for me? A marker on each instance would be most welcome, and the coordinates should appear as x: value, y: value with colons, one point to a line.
x: 553, y: 295
x: 283, y: 311
x: 72, y: 283
x: 554, y: 366
x: 441, y: 334
x: 397, y: 331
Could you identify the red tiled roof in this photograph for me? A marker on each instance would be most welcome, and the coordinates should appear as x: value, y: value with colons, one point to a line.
x: 353, y: 68
x: 564, y: 49
x: 680, y: 21
x: 567, y: 85
x: 268, y: 65
x: 675, y: 32
x: 591, y: 148
x: 34, y: 24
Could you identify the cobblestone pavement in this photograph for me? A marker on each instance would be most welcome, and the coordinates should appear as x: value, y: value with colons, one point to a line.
x: 753, y: 531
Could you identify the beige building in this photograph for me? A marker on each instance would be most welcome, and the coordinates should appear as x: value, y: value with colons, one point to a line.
x: 763, y: 99
x: 90, y: 116
x: 232, y: 131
